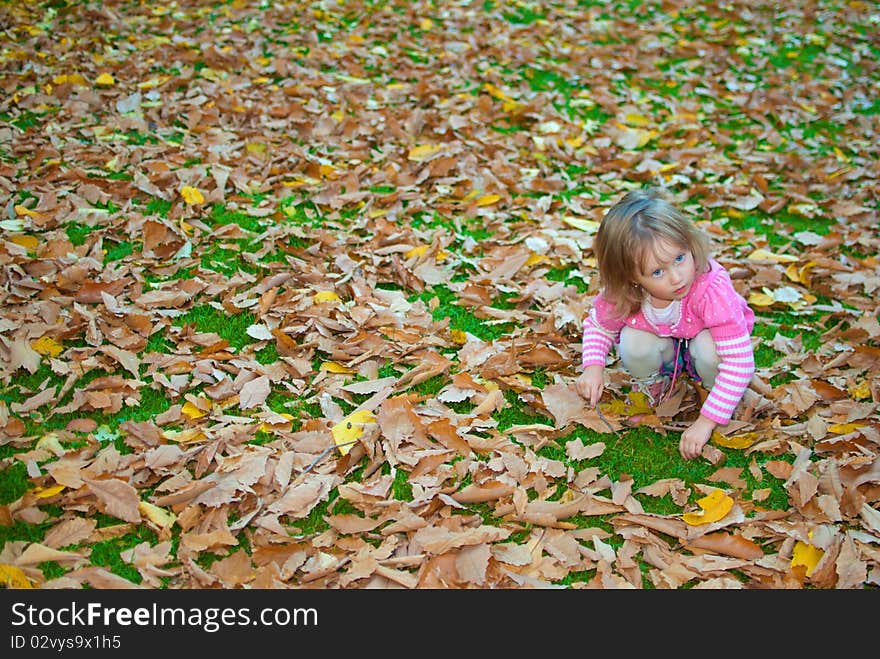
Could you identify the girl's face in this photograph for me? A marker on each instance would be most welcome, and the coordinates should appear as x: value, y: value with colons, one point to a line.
x: 668, y: 273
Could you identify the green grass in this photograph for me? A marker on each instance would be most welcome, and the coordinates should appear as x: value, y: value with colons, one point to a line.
x: 231, y: 327
x: 14, y: 483
x: 461, y: 318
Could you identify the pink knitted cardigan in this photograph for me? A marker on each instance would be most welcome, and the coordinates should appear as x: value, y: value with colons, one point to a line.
x: 713, y: 304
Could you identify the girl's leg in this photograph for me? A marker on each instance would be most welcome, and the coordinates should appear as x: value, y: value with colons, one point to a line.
x: 704, y: 358
x: 706, y: 362
x: 643, y: 354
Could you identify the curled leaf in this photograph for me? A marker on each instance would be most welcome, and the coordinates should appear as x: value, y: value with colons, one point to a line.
x: 48, y: 492
x: 326, y: 296
x: 806, y: 555
x: 416, y: 251
x: 347, y: 431
x: 192, y: 196
x: 13, y: 577
x: 766, y: 255
x: 159, y: 516
x: 47, y: 346
x: 192, y: 411
x: 336, y: 367
x: 423, y: 151
x: 488, y: 200
x: 741, y: 441
x: 714, y: 506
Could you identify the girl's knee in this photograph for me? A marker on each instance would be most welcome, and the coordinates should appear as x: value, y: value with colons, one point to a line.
x: 641, y: 353
x: 636, y: 344
x: 705, y: 357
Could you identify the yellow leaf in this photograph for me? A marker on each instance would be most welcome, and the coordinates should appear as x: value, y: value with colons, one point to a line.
x: 326, y: 296
x: 510, y: 106
x: 497, y: 93
x: 844, y: 428
x: 338, y: 116
x: 336, y: 367
x: 28, y: 242
x: 488, y: 200
x: 422, y: 151
x: 296, y: 182
x: 192, y: 195
x: 159, y: 516
x: 192, y: 411
x: 590, y: 226
x: 638, y: 404
x: 347, y: 431
x: 13, y: 577
x: 458, y: 336
x: 714, y: 506
x: 21, y: 209
x: 761, y: 300
x: 73, y: 79
x: 426, y: 24
x: 267, y: 427
x: 633, y: 119
x: 105, y: 79
x: 860, y: 391
x: 534, y: 259
x: 766, y: 255
x: 807, y: 107
x: 48, y: 492
x: 256, y: 148
x: 46, y: 346
x: 184, y: 436
x: 806, y: 555
x: 736, y: 441
x: 416, y: 251
x: 50, y: 442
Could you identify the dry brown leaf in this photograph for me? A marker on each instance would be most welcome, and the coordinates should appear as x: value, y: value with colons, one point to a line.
x: 118, y: 499
x: 728, y: 544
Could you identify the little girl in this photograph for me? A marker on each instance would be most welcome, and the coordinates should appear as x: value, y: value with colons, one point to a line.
x: 667, y: 307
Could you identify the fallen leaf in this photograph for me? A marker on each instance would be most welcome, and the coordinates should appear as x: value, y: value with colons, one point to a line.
x: 714, y: 507
x: 350, y: 429
x: 806, y: 555
x: 192, y: 196
x: 13, y: 577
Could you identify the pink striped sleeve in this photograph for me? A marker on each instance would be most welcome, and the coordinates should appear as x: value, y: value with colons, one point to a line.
x: 601, y: 331
x: 734, y: 373
x: 596, y: 343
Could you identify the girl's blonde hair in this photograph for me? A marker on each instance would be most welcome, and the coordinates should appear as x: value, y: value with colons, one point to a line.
x: 629, y: 232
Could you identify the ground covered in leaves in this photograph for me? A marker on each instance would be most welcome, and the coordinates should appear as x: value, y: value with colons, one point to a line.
x: 292, y: 293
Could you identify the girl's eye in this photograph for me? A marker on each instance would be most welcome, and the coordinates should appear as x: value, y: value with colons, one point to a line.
x: 657, y: 273
x: 679, y: 258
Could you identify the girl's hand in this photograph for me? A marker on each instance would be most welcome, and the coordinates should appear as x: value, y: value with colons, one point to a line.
x: 694, y: 438
x: 591, y: 383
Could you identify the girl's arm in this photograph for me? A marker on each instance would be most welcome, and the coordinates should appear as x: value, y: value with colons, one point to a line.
x: 734, y: 374
x: 601, y: 331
